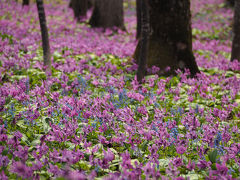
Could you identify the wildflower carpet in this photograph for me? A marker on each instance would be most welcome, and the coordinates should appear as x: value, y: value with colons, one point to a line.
x: 89, y: 118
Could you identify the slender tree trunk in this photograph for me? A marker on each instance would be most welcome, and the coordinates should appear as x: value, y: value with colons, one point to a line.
x: 70, y: 4
x: 90, y: 3
x: 44, y: 33
x: 25, y: 2
x: 138, y: 12
x: 107, y: 14
x: 170, y: 41
x: 236, y: 32
x: 143, y: 41
x: 230, y: 2
x: 79, y: 7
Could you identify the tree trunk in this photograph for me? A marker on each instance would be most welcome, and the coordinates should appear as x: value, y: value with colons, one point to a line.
x: 138, y: 12
x: 236, y: 32
x: 170, y: 41
x: 79, y: 7
x: 144, y: 40
x: 90, y: 3
x: 107, y: 14
x: 230, y: 2
x: 44, y: 33
x: 25, y: 2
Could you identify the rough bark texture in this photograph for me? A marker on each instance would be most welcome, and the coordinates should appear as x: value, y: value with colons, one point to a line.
x: 25, y: 2
x: 44, y: 33
x: 107, y: 14
x: 79, y: 7
x: 90, y: 4
x: 142, y: 61
x: 170, y: 41
x: 138, y: 12
x: 236, y: 32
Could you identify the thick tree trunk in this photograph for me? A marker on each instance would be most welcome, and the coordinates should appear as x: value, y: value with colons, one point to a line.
x: 138, y: 12
x: 44, y: 33
x: 144, y: 40
x: 90, y: 4
x: 236, y: 32
x: 170, y: 41
x: 25, y: 2
x: 107, y: 14
x: 79, y: 7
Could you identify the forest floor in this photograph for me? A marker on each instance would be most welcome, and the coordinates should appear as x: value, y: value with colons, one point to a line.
x: 90, y: 119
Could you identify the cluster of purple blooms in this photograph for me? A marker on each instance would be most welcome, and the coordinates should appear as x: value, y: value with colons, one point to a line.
x: 90, y: 117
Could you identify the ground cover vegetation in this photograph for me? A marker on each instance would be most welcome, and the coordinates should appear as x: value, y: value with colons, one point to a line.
x: 89, y: 118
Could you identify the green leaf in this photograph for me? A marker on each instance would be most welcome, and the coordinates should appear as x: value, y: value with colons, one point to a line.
x: 56, y: 55
x: 20, y: 123
x: 35, y: 142
x: 5, y: 152
x: 144, y: 146
x: 213, y: 156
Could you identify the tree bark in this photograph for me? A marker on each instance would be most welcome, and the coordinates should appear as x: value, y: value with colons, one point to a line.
x: 79, y: 7
x: 236, y: 32
x: 90, y: 3
x: 230, y: 2
x: 170, y: 41
x: 44, y: 33
x: 144, y: 40
x: 107, y: 14
x: 138, y: 12
x: 25, y: 2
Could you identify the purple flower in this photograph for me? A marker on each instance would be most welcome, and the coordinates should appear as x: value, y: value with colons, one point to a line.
x: 103, y: 140
x: 37, y: 166
x: 125, y: 155
x: 54, y: 170
x: 126, y: 161
x: 149, y: 169
x: 191, y: 165
x: 142, y: 110
x: 74, y: 175
x: 21, y: 170
x: 181, y: 149
x: 3, y: 176
x: 55, y: 96
x: 177, y: 162
x: 22, y: 152
x: 18, y: 135
x: 155, y: 69
x: 190, y: 98
x: 3, y: 161
x: 203, y: 164
x: 179, y: 178
x: 109, y: 156
x: 176, y: 98
x: 172, y: 171
x: 135, y: 96
x: 2, y: 102
x: 221, y: 169
x: 211, y: 176
x: 3, y: 137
